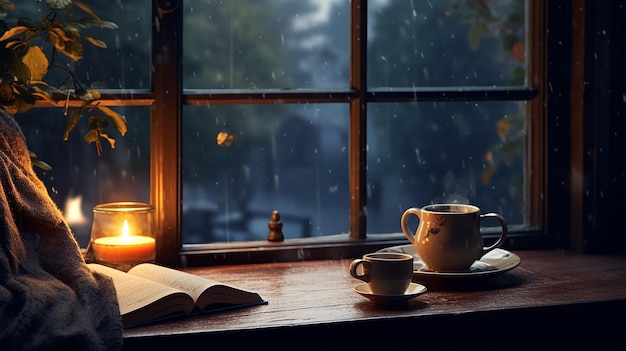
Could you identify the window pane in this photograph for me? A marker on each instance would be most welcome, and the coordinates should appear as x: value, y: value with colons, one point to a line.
x: 122, y: 64
x: 290, y: 158
x: 466, y: 152
x: 446, y: 43
x: 78, y: 173
x: 249, y: 44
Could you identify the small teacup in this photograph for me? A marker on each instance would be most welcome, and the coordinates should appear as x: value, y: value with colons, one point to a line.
x: 386, y: 273
x: 448, y: 237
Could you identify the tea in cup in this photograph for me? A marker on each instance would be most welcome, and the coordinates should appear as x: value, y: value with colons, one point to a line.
x: 448, y: 237
x: 386, y: 273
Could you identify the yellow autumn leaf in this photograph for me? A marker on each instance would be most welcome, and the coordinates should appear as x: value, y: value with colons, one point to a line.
x: 503, y: 126
x: 62, y: 34
x: 37, y: 63
x: 87, y: 9
x: 95, y: 94
x: 7, y: 5
x: 17, y: 30
x: 119, y: 121
x: 485, y: 177
x: 56, y: 40
x: 96, y: 42
x: 45, y: 96
x: 225, y: 139
x: 72, y: 121
x: 109, y: 139
x: 91, y: 136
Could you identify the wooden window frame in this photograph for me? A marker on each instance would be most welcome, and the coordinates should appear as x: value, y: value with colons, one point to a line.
x: 169, y: 96
x: 556, y: 199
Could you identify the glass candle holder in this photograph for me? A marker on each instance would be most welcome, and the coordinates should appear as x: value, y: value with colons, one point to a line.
x: 122, y: 234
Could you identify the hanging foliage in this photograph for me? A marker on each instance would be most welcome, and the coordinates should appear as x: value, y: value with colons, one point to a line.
x: 33, y: 46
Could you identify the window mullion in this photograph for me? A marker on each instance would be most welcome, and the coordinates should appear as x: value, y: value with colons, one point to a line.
x: 166, y: 115
x: 358, y: 112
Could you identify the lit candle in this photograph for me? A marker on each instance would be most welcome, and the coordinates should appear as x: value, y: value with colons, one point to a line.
x: 124, y: 248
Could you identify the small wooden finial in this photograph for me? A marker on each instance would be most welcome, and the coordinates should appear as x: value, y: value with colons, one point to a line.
x: 276, y: 228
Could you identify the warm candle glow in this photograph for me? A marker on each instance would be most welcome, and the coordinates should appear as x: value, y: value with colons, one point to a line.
x: 125, y: 247
x: 122, y: 233
x: 125, y: 232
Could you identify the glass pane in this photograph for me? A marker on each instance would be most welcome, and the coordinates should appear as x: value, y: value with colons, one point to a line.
x: 446, y: 43
x: 81, y: 178
x: 289, y: 158
x: 250, y: 44
x: 466, y: 152
x: 122, y: 64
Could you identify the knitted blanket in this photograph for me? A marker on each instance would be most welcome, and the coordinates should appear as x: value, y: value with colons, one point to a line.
x: 49, y: 299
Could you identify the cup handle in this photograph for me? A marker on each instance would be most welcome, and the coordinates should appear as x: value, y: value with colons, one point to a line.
x: 505, y: 230
x: 353, y: 267
x: 404, y: 222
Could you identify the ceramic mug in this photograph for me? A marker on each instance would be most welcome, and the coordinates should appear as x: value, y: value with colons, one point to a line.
x: 386, y: 273
x: 448, y: 237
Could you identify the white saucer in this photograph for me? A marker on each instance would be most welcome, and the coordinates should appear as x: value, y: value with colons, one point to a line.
x: 412, y: 291
x: 494, y: 263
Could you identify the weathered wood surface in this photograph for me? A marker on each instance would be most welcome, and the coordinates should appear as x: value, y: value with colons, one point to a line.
x: 550, y: 294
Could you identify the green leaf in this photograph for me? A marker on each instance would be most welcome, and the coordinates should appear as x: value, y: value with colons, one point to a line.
x: 90, y: 22
x: 73, y: 50
x: 109, y: 25
x: 37, y: 162
x: 25, y: 94
x: 508, y: 41
x: 84, y: 94
x: 36, y: 24
x: 20, y: 71
x: 474, y: 37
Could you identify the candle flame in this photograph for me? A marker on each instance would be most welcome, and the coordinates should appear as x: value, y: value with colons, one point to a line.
x: 125, y: 232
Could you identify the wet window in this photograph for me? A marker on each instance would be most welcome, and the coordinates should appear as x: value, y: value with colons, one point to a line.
x: 294, y: 157
x: 240, y: 161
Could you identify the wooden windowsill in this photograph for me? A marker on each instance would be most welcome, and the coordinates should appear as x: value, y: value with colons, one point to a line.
x: 552, y: 298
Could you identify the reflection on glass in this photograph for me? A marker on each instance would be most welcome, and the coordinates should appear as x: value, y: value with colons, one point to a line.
x: 465, y: 152
x: 263, y: 44
x: 290, y: 158
x: 79, y: 178
x: 446, y: 43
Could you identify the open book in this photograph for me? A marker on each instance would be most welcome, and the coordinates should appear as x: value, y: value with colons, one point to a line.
x: 149, y: 292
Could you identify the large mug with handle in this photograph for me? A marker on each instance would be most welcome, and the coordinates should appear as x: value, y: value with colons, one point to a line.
x: 448, y: 237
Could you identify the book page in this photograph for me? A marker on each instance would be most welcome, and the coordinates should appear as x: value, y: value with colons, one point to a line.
x: 192, y: 284
x: 134, y: 293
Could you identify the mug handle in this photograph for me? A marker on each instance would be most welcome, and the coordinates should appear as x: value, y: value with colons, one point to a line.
x: 353, y: 267
x: 505, y: 230
x: 404, y: 222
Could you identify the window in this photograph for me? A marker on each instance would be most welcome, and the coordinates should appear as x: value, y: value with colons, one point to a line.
x: 291, y: 92
x: 334, y: 134
x: 79, y: 178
